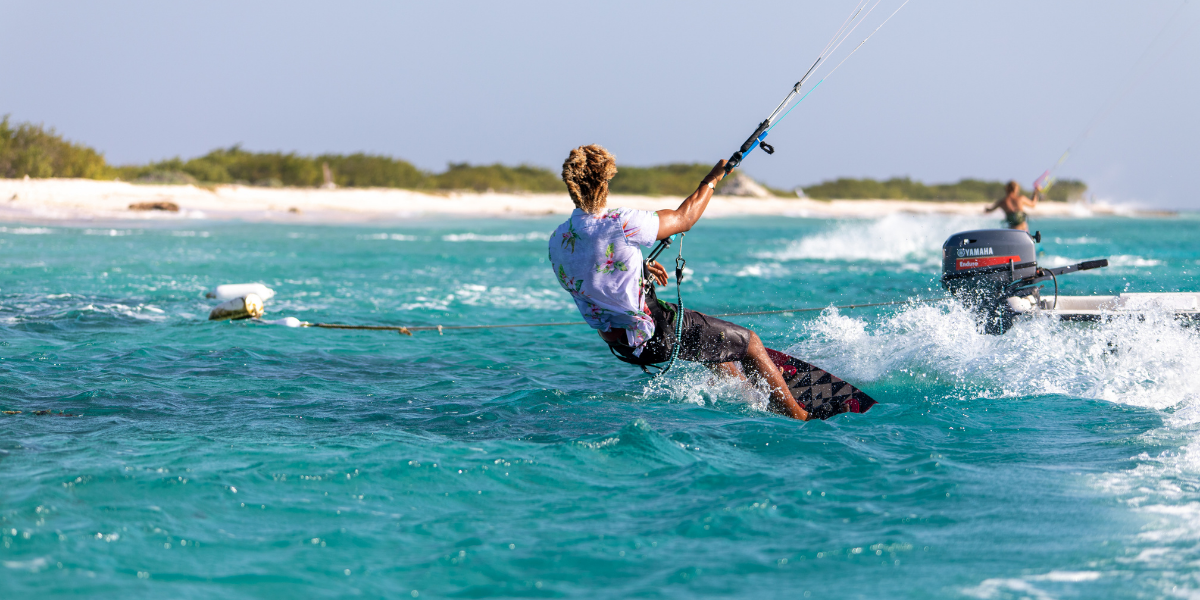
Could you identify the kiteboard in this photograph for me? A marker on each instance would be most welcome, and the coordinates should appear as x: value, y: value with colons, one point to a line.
x: 820, y: 393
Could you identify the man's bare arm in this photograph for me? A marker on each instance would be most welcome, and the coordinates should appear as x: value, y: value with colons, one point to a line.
x: 671, y: 222
x: 1032, y: 203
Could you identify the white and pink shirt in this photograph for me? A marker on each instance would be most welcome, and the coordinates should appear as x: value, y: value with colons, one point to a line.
x: 598, y: 259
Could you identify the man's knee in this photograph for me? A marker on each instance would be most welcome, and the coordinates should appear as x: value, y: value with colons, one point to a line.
x: 753, y: 343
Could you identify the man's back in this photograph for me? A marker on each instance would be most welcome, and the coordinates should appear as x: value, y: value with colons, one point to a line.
x: 1014, y: 203
x: 598, y: 259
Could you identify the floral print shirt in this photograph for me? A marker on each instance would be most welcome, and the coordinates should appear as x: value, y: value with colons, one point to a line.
x: 598, y: 259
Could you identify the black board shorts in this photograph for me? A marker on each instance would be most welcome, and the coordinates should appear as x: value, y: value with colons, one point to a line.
x: 705, y: 339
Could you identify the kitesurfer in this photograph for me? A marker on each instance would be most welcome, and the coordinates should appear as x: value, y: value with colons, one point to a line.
x: 1014, y: 205
x: 596, y: 255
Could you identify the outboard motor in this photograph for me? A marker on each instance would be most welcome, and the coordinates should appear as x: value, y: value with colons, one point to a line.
x: 987, y: 267
x: 994, y: 272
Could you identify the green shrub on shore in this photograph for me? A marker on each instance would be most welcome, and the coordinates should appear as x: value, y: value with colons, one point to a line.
x: 372, y: 170
x: 677, y: 179
x: 29, y: 149
x: 33, y: 150
x: 234, y: 165
x: 497, y: 177
x: 903, y: 188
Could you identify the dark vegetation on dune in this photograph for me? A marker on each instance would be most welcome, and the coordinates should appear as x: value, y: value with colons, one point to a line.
x: 28, y: 149
x: 903, y: 188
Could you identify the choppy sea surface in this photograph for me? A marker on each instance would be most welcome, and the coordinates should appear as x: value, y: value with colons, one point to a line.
x: 235, y: 459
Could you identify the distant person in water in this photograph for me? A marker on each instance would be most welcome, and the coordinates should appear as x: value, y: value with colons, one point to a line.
x: 597, y: 256
x: 1015, y: 205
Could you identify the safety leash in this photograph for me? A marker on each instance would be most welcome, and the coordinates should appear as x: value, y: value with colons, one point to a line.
x: 680, y: 262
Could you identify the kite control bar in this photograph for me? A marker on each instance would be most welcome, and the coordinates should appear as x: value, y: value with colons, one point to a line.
x: 755, y: 139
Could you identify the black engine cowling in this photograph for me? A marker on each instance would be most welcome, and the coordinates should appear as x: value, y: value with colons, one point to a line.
x: 985, y: 268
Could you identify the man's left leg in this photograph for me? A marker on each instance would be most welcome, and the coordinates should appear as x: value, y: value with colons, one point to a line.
x: 723, y: 346
x: 758, y: 364
x: 727, y: 369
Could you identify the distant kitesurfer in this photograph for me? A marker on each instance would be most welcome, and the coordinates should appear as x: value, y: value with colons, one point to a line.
x: 597, y: 256
x: 1015, y: 205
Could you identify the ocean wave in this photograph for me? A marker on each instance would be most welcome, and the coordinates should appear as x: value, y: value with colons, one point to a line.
x: 694, y: 384
x: 33, y: 565
x: 1114, y: 262
x: 1079, y: 241
x: 492, y: 296
x: 1037, y: 587
x: 1151, y: 361
x: 762, y: 270
x: 1164, y: 489
x: 637, y: 445
x: 49, y: 308
x: 897, y: 238
x: 27, y: 230
x: 396, y: 237
x: 533, y: 236
x: 110, y: 232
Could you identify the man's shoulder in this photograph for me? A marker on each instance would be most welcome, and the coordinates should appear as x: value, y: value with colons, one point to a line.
x: 624, y: 215
x: 625, y: 210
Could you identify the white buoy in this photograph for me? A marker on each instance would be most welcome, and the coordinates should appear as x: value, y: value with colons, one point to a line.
x: 248, y: 307
x: 286, y: 322
x: 230, y: 291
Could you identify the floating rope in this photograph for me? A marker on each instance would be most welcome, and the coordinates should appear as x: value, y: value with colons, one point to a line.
x: 440, y: 328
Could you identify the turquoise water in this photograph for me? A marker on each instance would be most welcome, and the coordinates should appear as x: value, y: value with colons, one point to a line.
x: 245, y: 460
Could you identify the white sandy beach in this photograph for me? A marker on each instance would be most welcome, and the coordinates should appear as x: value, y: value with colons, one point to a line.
x: 85, y: 200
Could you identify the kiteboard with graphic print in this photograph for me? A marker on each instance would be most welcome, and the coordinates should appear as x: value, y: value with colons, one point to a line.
x: 820, y: 393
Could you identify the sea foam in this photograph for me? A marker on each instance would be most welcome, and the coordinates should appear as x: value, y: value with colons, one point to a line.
x: 898, y: 238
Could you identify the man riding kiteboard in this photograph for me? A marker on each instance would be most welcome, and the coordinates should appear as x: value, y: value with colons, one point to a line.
x: 596, y: 255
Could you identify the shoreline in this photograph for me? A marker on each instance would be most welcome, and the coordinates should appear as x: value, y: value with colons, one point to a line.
x: 92, y: 201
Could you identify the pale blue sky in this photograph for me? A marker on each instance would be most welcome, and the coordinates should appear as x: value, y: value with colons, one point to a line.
x: 948, y: 89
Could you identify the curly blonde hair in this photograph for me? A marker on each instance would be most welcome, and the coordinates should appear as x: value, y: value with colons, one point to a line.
x: 586, y: 173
